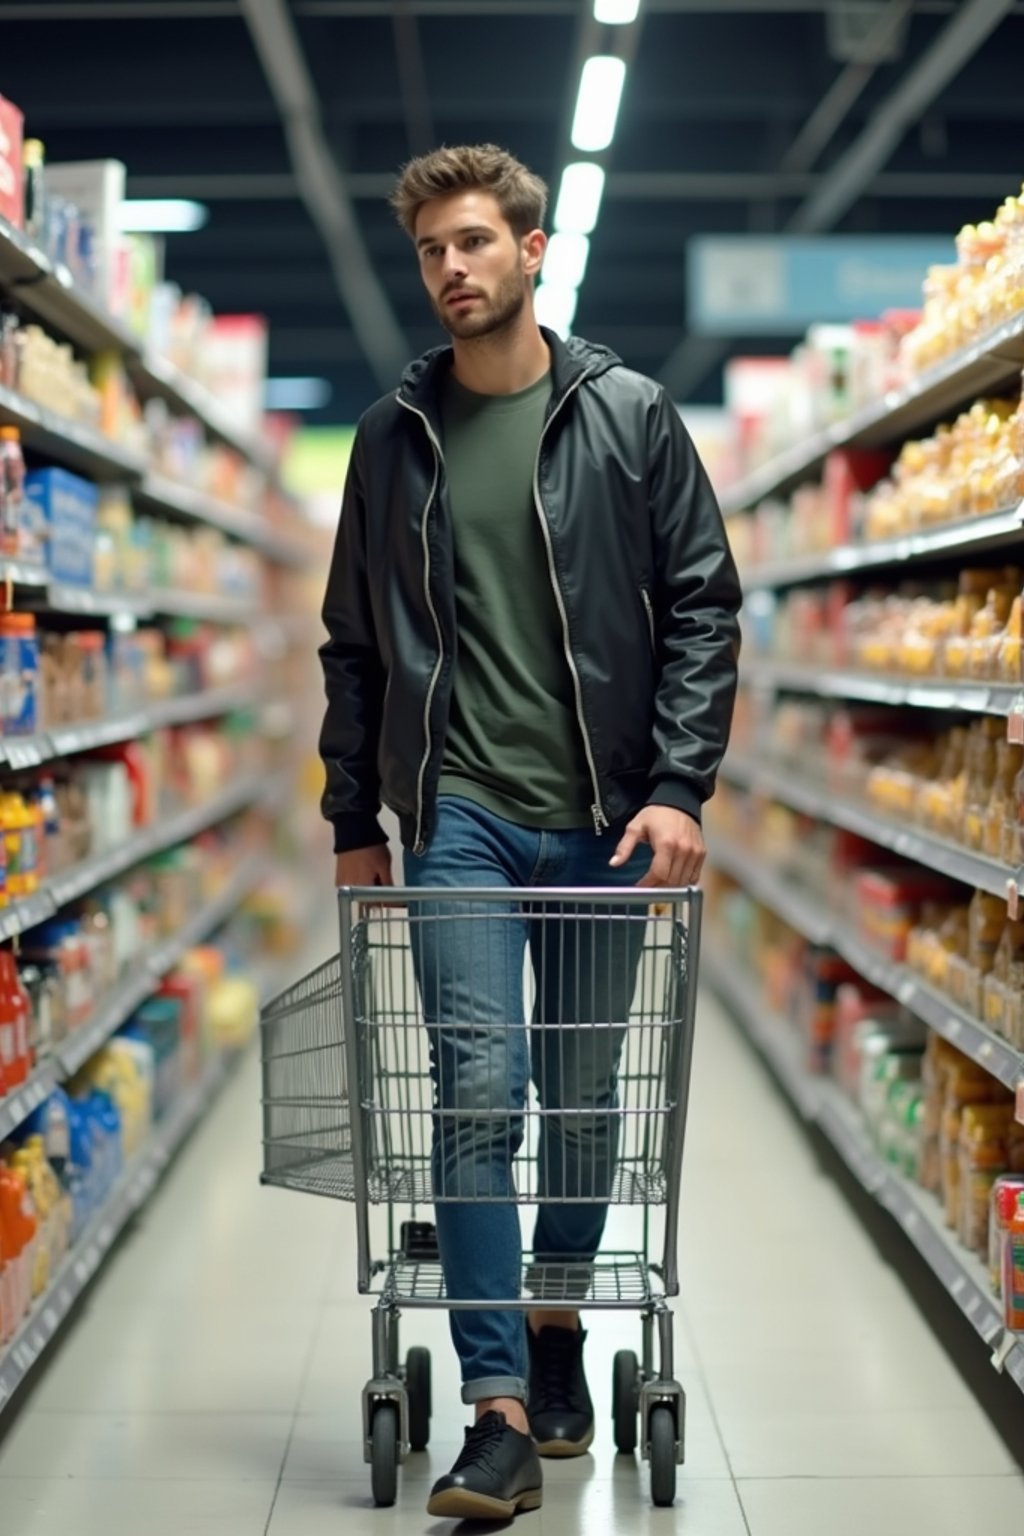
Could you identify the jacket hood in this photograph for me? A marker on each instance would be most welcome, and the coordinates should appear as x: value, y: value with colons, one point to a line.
x: 570, y: 360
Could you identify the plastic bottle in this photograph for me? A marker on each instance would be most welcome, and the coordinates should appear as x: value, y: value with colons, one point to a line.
x: 1013, y: 1269
x: 14, y: 1008
x: 33, y: 159
x: 19, y: 653
x: 12, y: 491
x: 20, y: 1227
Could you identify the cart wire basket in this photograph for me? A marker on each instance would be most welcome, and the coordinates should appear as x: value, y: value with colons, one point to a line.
x: 525, y: 1047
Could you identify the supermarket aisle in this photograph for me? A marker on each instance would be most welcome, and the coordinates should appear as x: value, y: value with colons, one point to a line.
x: 212, y: 1385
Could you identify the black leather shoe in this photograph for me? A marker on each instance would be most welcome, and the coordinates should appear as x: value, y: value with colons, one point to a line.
x: 497, y: 1475
x: 560, y: 1411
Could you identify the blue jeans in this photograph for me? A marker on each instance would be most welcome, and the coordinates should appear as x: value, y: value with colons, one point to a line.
x: 469, y: 969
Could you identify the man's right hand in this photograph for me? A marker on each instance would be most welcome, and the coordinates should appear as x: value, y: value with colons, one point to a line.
x: 364, y: 867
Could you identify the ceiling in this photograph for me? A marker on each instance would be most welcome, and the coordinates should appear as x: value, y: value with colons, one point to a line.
x: 713, y: 136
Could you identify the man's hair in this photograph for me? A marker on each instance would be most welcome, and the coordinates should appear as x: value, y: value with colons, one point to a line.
x: 521, y: 196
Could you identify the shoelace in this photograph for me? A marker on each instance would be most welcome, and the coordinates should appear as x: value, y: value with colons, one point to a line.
x: 551, y: 1369
x: 481, y: 1442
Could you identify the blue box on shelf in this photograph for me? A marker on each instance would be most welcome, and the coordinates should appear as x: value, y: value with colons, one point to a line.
x: 68, y: 506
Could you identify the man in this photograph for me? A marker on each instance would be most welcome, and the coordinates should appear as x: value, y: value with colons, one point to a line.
x: 532, y: 662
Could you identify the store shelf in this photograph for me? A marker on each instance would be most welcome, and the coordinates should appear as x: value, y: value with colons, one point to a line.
x: 808, y: 913
x: 97, y: 870
x: 820, y: 1103
x: 203, y: 605
x: 134, y: 988
x: 67, y: 442
x: 196, y: 505
x: 156, y: 376
x: 65, y: 740
x: 973, y: 536
x: 49, y: 292
x: 128, y: 1196
x: 992, y: 362
x: 973, y: 869
x: 948, y: 693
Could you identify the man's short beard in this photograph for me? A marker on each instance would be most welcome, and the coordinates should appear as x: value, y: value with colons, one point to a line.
x: 501, y: 313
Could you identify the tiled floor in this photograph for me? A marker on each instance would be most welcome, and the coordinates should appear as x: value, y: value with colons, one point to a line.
x: 212, y: 1384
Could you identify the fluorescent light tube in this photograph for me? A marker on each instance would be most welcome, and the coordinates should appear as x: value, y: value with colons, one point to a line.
x: 579, y: 198
x: 565, y: 260
x: 597, y: 105
x: 555, y: 308
x: 616, y: 13
x: 162, y: 216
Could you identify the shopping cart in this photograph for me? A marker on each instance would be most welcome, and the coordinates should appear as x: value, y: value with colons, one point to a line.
x: 351, y: 1111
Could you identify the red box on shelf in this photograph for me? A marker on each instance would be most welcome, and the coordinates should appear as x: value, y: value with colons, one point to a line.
x: 848, y: 472
x: 12, y: 182
x: 888, y: 902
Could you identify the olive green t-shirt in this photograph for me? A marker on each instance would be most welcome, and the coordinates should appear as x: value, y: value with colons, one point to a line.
x: 514, y: 743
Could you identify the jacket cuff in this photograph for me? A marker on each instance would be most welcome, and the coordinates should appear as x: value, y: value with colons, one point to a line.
x: 357, y: 829
x: 680, y: 794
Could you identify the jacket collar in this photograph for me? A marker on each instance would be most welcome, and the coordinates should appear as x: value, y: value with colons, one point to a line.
x: 570, y: 362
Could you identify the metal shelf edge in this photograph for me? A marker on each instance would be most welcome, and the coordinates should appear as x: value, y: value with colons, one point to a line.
x: 819, y: 1102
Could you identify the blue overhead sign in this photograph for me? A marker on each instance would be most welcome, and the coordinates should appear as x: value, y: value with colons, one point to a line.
x: 749, y: 285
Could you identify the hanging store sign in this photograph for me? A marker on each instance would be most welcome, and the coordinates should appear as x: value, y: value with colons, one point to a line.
x: 756, y: 286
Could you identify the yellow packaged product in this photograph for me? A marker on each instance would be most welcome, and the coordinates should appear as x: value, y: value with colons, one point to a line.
x: 985, y: 734
x: 1009, y: 762
x: 983, y: 1156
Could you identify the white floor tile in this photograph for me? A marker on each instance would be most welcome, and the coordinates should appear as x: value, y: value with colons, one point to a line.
x: 169, y: 1446
x: 55, y: 1507
x: 938, y: 1506
x: 923, y: 1443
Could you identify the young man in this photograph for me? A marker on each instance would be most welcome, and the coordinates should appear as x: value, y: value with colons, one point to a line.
x: 532, y: 662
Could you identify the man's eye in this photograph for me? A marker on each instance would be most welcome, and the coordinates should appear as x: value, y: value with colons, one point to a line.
x: 475, y: 240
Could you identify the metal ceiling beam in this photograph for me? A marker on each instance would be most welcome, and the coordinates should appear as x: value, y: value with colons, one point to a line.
x: 846, y: 90
x: 412, y: 79
x: 972, y: 23
x: 624, y: 186
x: 323, y: 189
x: 198, y: 10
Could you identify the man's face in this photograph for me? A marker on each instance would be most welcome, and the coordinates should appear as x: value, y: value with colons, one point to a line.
x: 476, y: 271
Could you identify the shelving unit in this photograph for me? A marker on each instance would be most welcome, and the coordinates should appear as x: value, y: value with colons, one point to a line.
x: 72, y: 883
x: 975, y: 535
x: 808, y: 912
x: 992, y: 362
x: 981, y: 698
x: 129, y: 993
x: 820, y: 1103
x: 49, y: 292
x: 925, y: 848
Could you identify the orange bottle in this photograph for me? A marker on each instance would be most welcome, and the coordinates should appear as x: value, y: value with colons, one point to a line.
x: 20, y: 1229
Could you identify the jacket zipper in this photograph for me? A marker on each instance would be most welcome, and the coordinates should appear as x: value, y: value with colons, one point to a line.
x: 597, y: 809
x: 649, y: 610
x: 418, y: 845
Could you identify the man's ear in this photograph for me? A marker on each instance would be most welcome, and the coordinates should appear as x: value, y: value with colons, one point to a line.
x: 534, y: 246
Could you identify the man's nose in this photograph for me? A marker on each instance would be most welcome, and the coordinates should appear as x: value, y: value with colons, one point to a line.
x: 454, y: 264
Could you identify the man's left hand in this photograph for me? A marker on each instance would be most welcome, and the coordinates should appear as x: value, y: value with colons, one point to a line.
x: 676, y: 841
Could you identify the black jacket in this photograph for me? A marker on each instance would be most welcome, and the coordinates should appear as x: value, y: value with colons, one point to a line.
x: 643, y: 578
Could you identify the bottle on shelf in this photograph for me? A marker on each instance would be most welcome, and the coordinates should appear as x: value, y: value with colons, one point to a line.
x: 33, y: 157
x: 12, y: 491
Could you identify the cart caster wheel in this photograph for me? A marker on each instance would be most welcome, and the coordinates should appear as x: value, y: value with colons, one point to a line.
x: 625, y: 1385
x: 384, y: 1454
x: 417, y: 1385
x: 662, y: 1431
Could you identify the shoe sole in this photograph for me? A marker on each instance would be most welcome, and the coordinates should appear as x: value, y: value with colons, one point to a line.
x: 463, y: 1504
x: 562, y: 1448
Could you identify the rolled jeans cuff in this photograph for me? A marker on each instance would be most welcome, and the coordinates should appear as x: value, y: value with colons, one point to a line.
x: 494, y: 1386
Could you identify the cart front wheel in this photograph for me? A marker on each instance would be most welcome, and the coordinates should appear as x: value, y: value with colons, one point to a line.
x: 625, y: 1383
x: 662, y: 1431
x: 417, y: 1384
x: 384, y: 1454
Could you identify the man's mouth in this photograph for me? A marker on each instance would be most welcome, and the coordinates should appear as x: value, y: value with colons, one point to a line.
x: 457, y: 300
